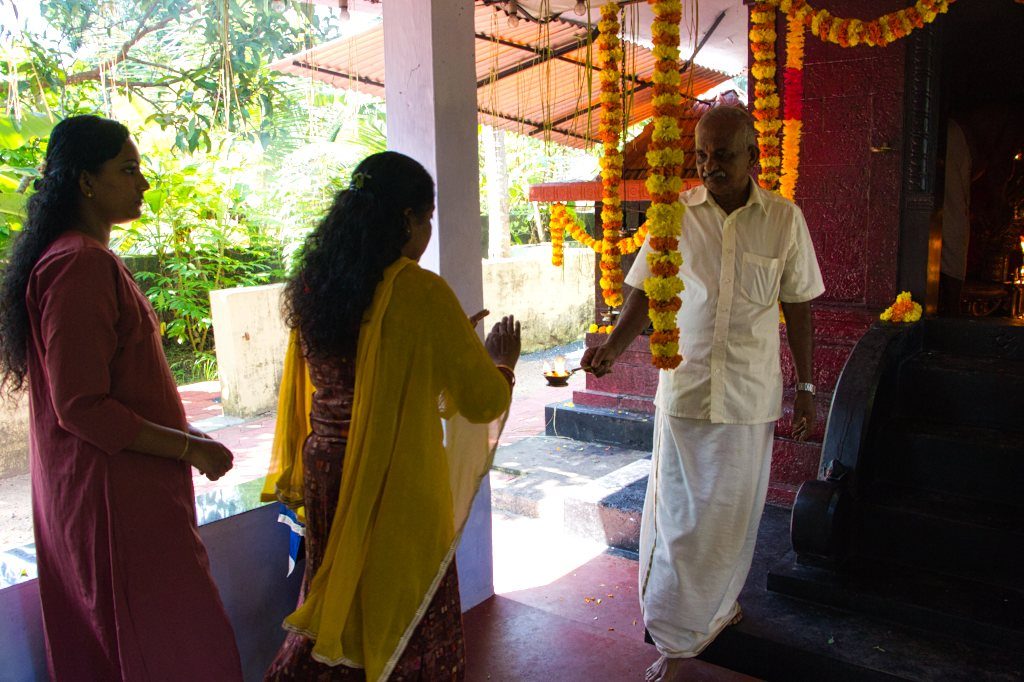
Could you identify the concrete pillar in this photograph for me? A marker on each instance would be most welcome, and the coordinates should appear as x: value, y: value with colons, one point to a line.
x: 430, y: 89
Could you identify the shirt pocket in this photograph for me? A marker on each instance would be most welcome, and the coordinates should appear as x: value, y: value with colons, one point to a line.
x: 759, y: 278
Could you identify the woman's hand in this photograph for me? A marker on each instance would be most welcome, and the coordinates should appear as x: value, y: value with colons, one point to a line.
x: 211, y: 457
x: 474, y: 320
x: 503, y: 342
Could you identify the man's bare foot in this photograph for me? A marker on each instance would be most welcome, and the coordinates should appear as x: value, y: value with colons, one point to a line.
x: 665, y: 670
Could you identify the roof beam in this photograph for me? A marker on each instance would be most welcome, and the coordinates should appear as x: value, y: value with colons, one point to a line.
x: 538, y: 127
x: 646, y: 84
x: 338, y: 74
x: 542, y: 54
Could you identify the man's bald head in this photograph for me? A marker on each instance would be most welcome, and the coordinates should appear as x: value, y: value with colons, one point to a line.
x: 725, y: 145
x: 729, y: 118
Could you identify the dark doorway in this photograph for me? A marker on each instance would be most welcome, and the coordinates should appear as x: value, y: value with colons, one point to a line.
x: 979, y: 179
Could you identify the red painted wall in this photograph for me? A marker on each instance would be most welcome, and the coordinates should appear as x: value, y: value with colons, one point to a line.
x: 849, y: 189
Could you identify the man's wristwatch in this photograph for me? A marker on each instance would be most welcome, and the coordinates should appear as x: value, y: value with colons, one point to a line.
x: 803, y: 386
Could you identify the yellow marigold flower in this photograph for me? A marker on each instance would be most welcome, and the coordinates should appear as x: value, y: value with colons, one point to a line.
x: 656, y: 257
x: 665, y: 350
x: 662, y: 320
x: 592, y: 328
x: 662, y: 288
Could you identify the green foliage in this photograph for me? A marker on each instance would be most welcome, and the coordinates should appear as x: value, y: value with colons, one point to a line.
x: 203, y: 237
x: 21, y: 153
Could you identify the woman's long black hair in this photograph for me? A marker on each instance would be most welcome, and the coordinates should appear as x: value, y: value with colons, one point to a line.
x: 345, y: 257
x: 77, y: 144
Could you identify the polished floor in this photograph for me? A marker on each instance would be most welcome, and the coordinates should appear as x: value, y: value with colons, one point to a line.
x: 566, y: 609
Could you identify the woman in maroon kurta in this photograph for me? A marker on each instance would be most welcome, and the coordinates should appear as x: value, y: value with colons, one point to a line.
x: 124, y: 578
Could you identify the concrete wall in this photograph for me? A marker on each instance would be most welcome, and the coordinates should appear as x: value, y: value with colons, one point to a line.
x: 251, y: 338
x: 555, y: 306
x: 14, y: 437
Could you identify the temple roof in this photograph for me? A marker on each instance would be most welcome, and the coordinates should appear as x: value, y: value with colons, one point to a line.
x: 531, y: 79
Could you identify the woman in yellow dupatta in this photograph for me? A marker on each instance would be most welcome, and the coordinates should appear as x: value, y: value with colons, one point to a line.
x: 402, y: 426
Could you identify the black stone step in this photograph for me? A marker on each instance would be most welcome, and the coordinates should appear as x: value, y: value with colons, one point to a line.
x: 792, y: 639
x: 963, y: 390
x: 600, y: 425
x: 947, y: 534
x: 925, y: 600
x: 979, y: 463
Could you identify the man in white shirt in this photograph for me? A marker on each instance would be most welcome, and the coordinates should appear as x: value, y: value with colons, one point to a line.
x: 744, y: 249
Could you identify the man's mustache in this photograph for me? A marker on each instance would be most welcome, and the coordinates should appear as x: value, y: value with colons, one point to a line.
x: 714, y: 174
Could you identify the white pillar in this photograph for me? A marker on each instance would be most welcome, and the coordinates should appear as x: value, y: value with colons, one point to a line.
x: 430, y: 90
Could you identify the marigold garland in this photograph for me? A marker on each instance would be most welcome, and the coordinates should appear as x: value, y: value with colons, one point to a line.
x: 557, y: 226
x: 562, y: 221
x: 903, y: 310
x: 784, y: 155
x: 793, y: 78
x: 610, y: 126
x: 665, y: 160
x: 766, y: 98
x: 879, y: 32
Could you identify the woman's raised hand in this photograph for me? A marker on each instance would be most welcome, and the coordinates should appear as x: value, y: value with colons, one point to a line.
x: 503, y: 342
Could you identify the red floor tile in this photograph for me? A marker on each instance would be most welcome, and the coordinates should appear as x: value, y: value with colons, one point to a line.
x: 508, y: 641
x: 601, y: 593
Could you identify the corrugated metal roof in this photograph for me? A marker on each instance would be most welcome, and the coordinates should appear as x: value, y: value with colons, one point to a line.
x: 532, y: 79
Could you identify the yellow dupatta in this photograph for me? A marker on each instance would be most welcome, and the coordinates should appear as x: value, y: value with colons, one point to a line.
x: 427, y: 410
x: 294, y: 401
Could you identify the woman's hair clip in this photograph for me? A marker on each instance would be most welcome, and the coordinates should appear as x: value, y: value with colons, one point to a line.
x: 359, y: 179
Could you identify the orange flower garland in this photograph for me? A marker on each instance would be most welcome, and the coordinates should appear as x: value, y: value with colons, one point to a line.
x: 766, y: 97
x: 609, y: 58
x: 557, y: 226
x: 792, y: 123
x: 879, y: 32
x: 664, y: 182
x: 562, y: 221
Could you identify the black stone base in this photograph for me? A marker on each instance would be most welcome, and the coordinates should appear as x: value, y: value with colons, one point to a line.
x: 598, y: 425
x: 783, y: 638
x: 947, y: 605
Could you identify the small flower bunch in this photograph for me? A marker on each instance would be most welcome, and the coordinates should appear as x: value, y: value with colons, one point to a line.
x: 903, y: 310
x: 601, y: 328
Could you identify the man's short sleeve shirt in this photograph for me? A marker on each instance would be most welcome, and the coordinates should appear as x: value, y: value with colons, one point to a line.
x: 735, y: 268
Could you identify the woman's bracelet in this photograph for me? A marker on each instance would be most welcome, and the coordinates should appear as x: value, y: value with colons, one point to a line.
x: 510, y: 375
x: 184, y: 451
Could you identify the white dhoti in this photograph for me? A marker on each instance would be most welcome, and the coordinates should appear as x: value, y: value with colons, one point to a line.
x: 704, y: 501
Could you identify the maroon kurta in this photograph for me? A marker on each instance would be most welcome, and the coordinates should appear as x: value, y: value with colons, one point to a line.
x: 124, y: 578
